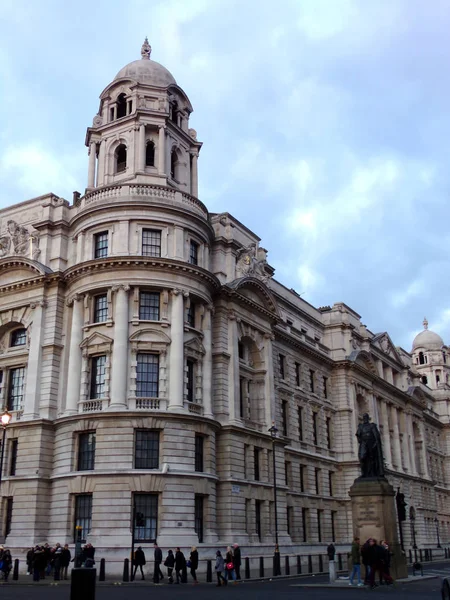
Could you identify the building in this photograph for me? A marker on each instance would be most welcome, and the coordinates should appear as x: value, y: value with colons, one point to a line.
x: 146, y: 349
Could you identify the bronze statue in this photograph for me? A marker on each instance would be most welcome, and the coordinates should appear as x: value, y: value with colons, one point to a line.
x: 370, y: 453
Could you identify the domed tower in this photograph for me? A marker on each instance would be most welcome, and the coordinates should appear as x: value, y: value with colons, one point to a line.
x: 430, y: 358
x: 141, y: 133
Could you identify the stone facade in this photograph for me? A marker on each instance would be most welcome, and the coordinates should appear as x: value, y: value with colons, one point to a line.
x: 146, y: 349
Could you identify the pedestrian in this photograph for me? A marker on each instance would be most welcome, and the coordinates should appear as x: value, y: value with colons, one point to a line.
x: 376, y: 556
x: 193, y: 559
x: 89, y: 553
x: 39, y: 563
x: 219, y: 569
x: 386, y: 563
x: 48, y: 561
x: 180, y: 565
x: 365, y: 550
x: 169, y: 563
x: 30, y: 555
x: 57, y: 563
x: 229, y: 565
x: 355, y: 554
x: 6, y: 560
x: 158, y: 560
x: 139, y: 561
x: 237, y: 560
x: 65, y: 561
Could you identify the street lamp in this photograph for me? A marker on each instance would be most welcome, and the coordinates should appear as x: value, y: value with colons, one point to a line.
x: 5, y: 419
x: 276, y: 558
x: 436, y: 521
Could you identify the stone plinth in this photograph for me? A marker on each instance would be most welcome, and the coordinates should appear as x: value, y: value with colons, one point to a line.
x: 374, y: 515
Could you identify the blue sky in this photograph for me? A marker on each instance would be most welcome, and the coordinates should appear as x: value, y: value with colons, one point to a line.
x: 326, y: 128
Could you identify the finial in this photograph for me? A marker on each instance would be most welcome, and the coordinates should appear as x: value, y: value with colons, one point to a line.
x: 146, y: 49
x: 425, y: 323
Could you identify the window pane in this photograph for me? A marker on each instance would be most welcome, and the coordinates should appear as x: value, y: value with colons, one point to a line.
x: 151, y: 242
x: 101, y: 308
x: 83, y: 515
x: 190, y: 381
x: 13, y: 462
x: 146, y: 454
x: 19, y: 337
x: 199, y: 517
x: 199, y: 442
x: 191, y: 315
x: 15, y: 391
x: 149, y: 306
x: 8, y: 520
x: 146, y: 517
x: 101, y: 245
x: 98, y: 374
x: 147, y: 376
x: 193, y: 254
x: 86, y: 451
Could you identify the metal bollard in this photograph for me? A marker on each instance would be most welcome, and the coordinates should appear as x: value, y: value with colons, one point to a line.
x: 276, y: 564
x: 261, y: 566
x: 82, y: 584
x: 320, y: 564
x: 126, y: 570
x: 310, y: 567
x: 340, y: 562
x: 287, y: 568
x: 16, y: 570
x: 101, y: 575
x: 247, y: 567
x: 299, y: 565
x: 208, y: 571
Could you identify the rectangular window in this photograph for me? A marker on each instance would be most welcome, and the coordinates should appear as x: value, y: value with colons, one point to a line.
x: 256, y: 456
x: 16, y: 388
x: 190, y: 369
x: 333, y: 525
x: 284, y: 417
x: 328, y: 425
x: 146, y: 450
x: 300, y: 424
x: 149, y: 306
x: 98, y: 377
x: 247, y: 515
x: 13, y: 462
x: 319, y: 525
x: 330, y: 482
x: 305, y: 524
x: 317, y: 480
x: 190, y: 316
x: 86, y: 451
x: 314, y: 418
x: 100, y: 308
x: 8, y: 519
x: 258, y: 518
x: 101, y: 245
x: 199, y: 501
x: 289, y: 519
x: 298, y: 374
x: 241, y: 397
x: 193, y: 253
x: 325, y: 387
x: 282, y: 363
x: 18, y: 337
x: 199, y: 447
x: 246, y: 461
x: 147, y: 376
x: 146, y: 517
x: 287, y: 472
x: 311, y: 380
x: 302, y: 478
x: 83, y: 515
x: 241, y: 350
x: 151, y: 242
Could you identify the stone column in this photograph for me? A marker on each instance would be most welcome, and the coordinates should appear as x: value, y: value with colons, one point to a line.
x: 74, y: 368
x: 411, y: 444
x: 141, y: 151
x: 233, y: 371
x: 207, y: 362
x: 101, y: 164
x: 269, y: 388
x: 92, y: 157
x: 33, y: 384
x: 176, y: 373
x: 119, y: 376
x: 194, y: 174
x: 161, y: 150
x: 426, y: 471
x: 397, y: 454
x: 405, y: 442
x: 387, y: 452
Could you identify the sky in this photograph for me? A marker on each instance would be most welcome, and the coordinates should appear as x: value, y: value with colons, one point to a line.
x: 325, y: 127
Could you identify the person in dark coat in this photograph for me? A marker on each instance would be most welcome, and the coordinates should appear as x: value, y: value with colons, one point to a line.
x: 57, y: 555
x: 39, y: 563
x: 230, y: 573
x: 158, y: 560
x: 237, y: 560
x: 170, y: 563
x: 6, y: 559
x: 139, y: 561
x: 89, y: 552
x: 30, y: 555
x: 376, y: 557
x: 180, y: 565
x: 365, y: 561
x: 220, y: 567
x: 65, y: 561
x: 193, y: 559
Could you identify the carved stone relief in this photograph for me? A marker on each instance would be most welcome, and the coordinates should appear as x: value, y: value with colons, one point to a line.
x: 17, y: 240
x: 251, y: 262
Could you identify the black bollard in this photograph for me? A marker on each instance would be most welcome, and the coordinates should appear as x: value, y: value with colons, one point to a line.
x: 247, y: 567
x: 340, y: 562
x: 287, y: 568
x: 310, y: 569
x: 320, y: 564
x: 276, y: 564
x: 410, y: 556
x: 82, y: 584
x: 208, y: 571
x: 431, y: 554
x: 101, y: 575
x: 299, y: 565
x: 16, y: 570
x: 126, y: 570
x: 261, y: 566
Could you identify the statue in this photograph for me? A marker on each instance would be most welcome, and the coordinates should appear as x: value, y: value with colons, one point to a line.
x: 370, y: 453
x: 251, y: 262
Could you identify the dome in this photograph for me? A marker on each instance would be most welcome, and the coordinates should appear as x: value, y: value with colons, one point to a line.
x: 147, y: 71
x: 428, y: 339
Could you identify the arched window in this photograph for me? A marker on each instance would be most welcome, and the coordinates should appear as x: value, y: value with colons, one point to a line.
x: 121, y: 158
x: 173, y: 163
x: 421, y: 358
x: 425, y: 380
x: 150, y: 154
x: 18, y: 337
x: 121, y: 106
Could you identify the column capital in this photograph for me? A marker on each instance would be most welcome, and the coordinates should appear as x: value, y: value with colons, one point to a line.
x: 120, y: 286
x: 175, y: 291
x: 161, y: 127
x: 74, y: 298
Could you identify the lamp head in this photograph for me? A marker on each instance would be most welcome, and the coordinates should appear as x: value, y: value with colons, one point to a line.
x: 273, y: 431
x: 6, y: 418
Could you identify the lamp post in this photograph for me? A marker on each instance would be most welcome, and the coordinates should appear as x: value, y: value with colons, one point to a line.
x: 276, y: 558
x: 436, y: 521
x: 5, y: 418
x: 412, y: 518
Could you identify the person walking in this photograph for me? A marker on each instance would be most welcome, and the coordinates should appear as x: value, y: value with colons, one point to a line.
x: 158, y: 560
x: 180, y: 565
x: 237, y: 560
x: 65, y: 561
x: 193, y: 559
x: 365, y: 550
x: 376, y: 555
x: 355, y: 554
x: 219, y: 569
x: 6, y: 560
x: 30, y: 555
x: 230, y: 573
x: 139, y: 561
x: 386, y: 563
x: 57, y: 563
x: 169, y: 563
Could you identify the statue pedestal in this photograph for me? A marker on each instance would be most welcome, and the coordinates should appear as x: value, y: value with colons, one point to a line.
x: 374, y: 515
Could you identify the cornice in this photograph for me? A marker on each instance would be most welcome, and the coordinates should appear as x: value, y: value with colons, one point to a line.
x: 303, y: 346
x: 243, y: 300
x: 28, y: 284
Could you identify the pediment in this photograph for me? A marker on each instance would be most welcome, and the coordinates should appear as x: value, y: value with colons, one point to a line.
x: 256, y: 291
x: 195, y: 345
x: 365, y: 360
x: 14, y: 270
x: 96, y: 339
x: 150, y: 334
x: 383, y: 342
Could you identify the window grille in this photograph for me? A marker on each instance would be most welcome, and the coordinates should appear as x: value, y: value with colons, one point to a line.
x: 147, y: 376
x: 101, y: 244
x: 86, y: 451
x: 149, y: 306
x: 151, y: 242
x: 146, y: 452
